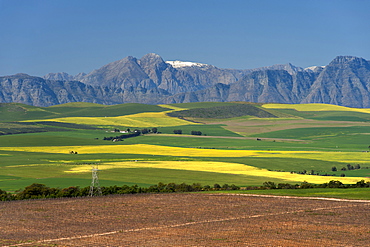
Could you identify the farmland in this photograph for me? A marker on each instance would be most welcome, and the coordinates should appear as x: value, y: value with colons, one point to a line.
x: 287, y: 143
x: 185, y: 220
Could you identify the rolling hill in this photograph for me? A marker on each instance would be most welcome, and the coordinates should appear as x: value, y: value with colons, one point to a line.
x: 295, y: 143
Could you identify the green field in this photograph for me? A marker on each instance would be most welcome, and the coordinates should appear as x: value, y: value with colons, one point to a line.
x: 35, y: 144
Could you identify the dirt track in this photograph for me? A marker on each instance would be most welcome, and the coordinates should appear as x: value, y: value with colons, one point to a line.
x: 185, y: 220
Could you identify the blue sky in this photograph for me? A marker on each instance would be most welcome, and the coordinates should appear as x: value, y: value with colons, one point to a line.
x: 38, y: 37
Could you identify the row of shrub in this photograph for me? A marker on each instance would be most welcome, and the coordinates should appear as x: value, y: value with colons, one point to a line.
x: 306, y: 185
x: 121, y: 137
x: 193, y: 132
x: 349, y: 167
x: 38, y: 191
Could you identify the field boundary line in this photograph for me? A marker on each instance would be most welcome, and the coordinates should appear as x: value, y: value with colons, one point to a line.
x: 175, y: 225
x: 302, y: 198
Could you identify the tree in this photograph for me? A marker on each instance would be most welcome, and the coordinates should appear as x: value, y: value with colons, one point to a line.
x: 361, y: 184
x: 286, y: 186
x: 171, y: 187
x: 144, y: 131
x: 269, y: 185
x: 234, y: 187
x: 70, y: 192
x: 333, y: 169
x: 179, y: 132
x: 154, y: 130
x: 207, y: 187
x: 35, y: 190
x: 335, y: 184
x: 225, y: 186
x: 198, y: 133
x: 184, y: 187
x: 4, y: 196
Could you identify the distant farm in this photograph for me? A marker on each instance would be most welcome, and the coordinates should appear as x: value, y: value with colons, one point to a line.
x: 208, y: 143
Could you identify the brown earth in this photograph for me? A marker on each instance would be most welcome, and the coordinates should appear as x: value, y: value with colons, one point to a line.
x: 258, y: 126
x: 234, y: 137
x: 185, y: 220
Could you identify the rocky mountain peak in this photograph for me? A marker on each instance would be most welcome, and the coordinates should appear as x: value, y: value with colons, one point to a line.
x: 60, y: 76
x: 291, y: 69
x: 152, y: 60
x: 21, y: 76
x: 344, y: 60
x: 150, y: 79
x: 152, y: 55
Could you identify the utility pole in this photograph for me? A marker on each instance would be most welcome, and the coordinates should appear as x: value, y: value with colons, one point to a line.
x: 95, y: 189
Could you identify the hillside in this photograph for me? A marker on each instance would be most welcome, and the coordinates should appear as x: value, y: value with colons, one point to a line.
x: 20, y: 118
x: 16, y: 112
x: 228, y: 111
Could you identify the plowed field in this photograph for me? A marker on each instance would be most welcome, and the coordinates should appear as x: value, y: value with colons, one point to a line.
x: 185, y: 220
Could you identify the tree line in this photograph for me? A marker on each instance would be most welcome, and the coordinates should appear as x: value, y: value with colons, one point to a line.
x: 39, y: 191
x: 193, y: 132
x: 121, y: 137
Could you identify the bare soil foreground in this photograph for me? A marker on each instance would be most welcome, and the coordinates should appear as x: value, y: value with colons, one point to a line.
x: 185, y: 220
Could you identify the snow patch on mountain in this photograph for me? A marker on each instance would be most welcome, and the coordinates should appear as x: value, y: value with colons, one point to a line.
x: 181, y: 64
x: 315, y: 68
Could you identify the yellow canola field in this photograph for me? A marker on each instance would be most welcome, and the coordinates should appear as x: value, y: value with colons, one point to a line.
x: 218, y: 167
x: 344, y: 157
x: 315, y: 107
x: 136, y: 149
x: 146, y: 119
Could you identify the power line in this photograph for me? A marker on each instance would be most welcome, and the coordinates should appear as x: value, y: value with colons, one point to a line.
x: 95, y: 189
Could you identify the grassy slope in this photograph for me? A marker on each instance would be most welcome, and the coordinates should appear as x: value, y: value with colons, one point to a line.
x: 222, y: 112
x: 72, y: 110
x: 202, y: 104
x: 17, y: 112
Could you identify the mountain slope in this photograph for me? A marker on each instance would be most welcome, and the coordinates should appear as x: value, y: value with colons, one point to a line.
x: 30, y: 90
x: 345, y: 81
x: 260, y: 86
x: 151, y: 80
x: 151, y: 71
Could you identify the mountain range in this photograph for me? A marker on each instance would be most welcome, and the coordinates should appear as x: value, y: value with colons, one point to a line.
x: 344, y: 81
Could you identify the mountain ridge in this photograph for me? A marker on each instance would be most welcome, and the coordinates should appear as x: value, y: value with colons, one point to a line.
x: 151, y: 80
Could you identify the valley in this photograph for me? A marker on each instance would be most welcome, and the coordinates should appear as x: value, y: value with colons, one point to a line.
x: 293, y: 146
